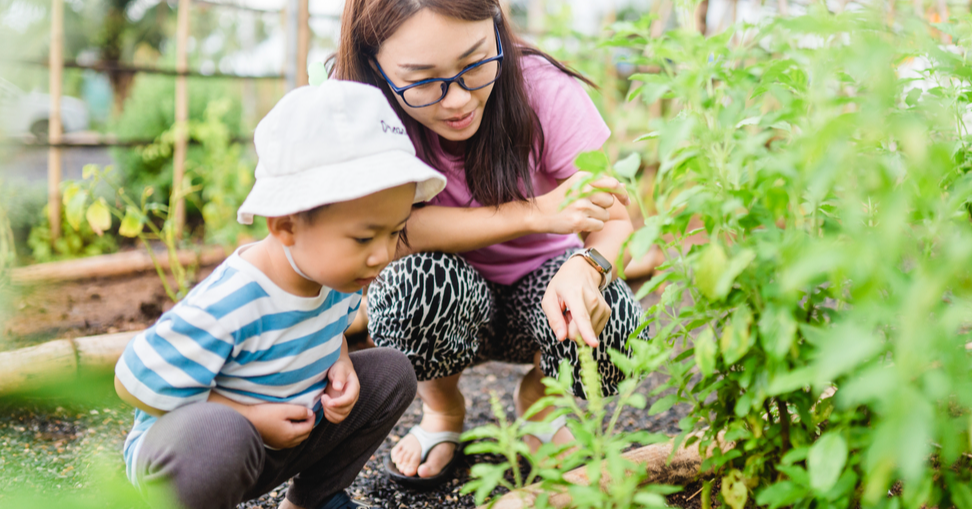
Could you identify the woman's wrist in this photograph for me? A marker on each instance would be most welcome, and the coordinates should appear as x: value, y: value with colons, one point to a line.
x: 581, y: 266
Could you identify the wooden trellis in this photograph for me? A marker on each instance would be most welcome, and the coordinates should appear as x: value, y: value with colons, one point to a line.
x: 297, y: 65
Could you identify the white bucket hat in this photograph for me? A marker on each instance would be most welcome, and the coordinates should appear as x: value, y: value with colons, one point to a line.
x: 331, y: 143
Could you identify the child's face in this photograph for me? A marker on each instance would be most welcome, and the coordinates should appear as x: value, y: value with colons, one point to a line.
x: 347, y: 244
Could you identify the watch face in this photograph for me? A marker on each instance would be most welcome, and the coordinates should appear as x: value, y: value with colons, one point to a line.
x: 601, y: 260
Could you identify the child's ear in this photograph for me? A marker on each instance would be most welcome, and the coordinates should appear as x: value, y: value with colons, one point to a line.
x: 282, y: 228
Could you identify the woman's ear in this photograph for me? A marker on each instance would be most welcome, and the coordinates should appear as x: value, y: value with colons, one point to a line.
x: 282, y: 228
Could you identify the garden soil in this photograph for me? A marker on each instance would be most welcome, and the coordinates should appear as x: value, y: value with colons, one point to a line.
x: 56, y: 448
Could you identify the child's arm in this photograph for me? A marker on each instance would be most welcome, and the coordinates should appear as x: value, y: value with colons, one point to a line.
x: 135, y: 402
x: 342, y: 389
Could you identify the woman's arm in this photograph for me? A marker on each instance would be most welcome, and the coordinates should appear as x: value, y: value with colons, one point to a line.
x: 573, y: 302
x: 458, y: 229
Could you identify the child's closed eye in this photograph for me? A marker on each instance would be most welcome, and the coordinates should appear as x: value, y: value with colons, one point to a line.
x: 363, y: 240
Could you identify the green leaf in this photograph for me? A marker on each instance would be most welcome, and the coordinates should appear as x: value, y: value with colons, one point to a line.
x: 131, y: 224
x: 675, y: 132
x: 88, y: 171
x: 75, y: 199
x: 645, y: 237
x: 663, y: 405
x: 652, y: 284
x: 826, y: 461
x: 650, y: 92
x: 705, y: 352
x: 736, y: 338
x: 595, y: 162
x: 777, y: 330
x: 709, y: 269
x: 628, y: 167
x: 98, y: 216
x: 734, y: 490
x: 781, y: 494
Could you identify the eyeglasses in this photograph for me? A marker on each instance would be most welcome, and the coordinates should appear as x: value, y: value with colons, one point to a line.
x: 474, y: 77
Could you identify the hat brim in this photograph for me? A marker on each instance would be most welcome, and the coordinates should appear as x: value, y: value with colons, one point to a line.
x: 308, y: 189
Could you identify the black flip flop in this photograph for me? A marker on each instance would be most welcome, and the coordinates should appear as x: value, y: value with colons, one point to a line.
x: 428, y: 441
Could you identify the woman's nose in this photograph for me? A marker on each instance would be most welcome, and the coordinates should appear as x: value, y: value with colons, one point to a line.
x: 456, y: 97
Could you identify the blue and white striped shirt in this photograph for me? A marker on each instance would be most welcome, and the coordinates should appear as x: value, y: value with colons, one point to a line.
x: 239, y: 334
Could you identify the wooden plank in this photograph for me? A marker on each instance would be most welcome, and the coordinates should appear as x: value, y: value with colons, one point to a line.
x: 117, y: 264
x: 54, y: 128
x: 181, y: 117
x: 37, y: 366
x: 100, y: 353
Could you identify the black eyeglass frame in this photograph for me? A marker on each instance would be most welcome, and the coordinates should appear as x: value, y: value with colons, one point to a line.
x: 447, y: 82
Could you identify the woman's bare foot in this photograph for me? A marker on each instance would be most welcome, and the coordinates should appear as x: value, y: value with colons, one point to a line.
x: 528, y: 391
x: 444, y: 409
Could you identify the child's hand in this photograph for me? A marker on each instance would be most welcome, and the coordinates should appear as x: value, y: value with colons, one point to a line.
x: 342, y: 390
x: 281, y: 425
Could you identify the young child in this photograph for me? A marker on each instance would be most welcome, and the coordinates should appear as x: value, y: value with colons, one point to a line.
x: 248, y: 382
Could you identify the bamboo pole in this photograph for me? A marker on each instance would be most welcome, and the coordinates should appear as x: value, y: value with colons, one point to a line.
x: 117, y: 264
x: 54, y: 127
x: 291, y: 11
x: 303, y: 41
x: 536, y: 16
x: 181, y: 118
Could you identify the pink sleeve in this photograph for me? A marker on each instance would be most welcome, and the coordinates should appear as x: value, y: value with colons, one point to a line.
x: 571, y: 123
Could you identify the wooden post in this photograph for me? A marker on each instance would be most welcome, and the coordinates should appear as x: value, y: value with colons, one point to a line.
x: 784, y: 8
x: 181, y: 117
x: 291, y: 11
x: 701, y: 16
x: 303, y: 42
x: 54, y: 128
x: 536, y: 16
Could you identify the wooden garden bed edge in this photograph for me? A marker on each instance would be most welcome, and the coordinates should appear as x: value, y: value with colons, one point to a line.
x: 115, y: 264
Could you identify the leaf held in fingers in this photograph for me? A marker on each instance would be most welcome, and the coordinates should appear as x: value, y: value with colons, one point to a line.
x: 628, y: 167
x: 98, y: 216
x: 595, y: 162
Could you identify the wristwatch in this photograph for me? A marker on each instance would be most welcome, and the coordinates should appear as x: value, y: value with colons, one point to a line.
x: 600, y: 264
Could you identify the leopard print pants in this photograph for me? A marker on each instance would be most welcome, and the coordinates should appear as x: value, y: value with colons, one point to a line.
x: 440, y: 312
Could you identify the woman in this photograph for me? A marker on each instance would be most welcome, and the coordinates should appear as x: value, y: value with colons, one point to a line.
x: 497, y: 270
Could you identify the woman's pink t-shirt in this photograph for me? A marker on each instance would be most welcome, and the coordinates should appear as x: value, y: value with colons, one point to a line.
x: 571, y: 125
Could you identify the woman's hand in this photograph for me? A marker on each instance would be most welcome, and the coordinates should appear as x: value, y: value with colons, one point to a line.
x: 573, y: 303
x: 584, y: 215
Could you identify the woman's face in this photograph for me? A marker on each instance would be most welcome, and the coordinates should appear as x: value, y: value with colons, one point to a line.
x: 430, y: 45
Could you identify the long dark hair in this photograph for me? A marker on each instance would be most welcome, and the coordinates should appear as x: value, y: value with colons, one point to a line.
x: 497, y: 157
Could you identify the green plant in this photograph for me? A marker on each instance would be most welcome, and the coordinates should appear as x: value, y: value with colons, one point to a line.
x: 222, y: 172
x: 835, y: 197
x: 137, y: 218
x: 74, y: 242
x: 598, y: 445
x: 150, y: 111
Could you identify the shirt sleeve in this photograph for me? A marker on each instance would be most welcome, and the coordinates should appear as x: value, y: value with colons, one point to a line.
x: 175, y: 362
x: 570, y: 120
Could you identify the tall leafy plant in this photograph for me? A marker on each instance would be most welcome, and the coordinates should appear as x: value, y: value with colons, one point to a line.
x: 834, y: 194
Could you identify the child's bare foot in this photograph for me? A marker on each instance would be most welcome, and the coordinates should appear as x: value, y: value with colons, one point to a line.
x: 444, y: 409
x: 528, y: 391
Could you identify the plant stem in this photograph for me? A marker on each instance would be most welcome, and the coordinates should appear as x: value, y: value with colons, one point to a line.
x: 785, y: 424
x: 706, y: 494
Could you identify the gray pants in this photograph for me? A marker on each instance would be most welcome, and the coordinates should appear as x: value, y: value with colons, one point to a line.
x: 209, y: 456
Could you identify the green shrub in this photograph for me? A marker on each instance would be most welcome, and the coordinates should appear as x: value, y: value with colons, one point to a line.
x: 74, y: 242
x: 835, y: 197
x: 150, y: 111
